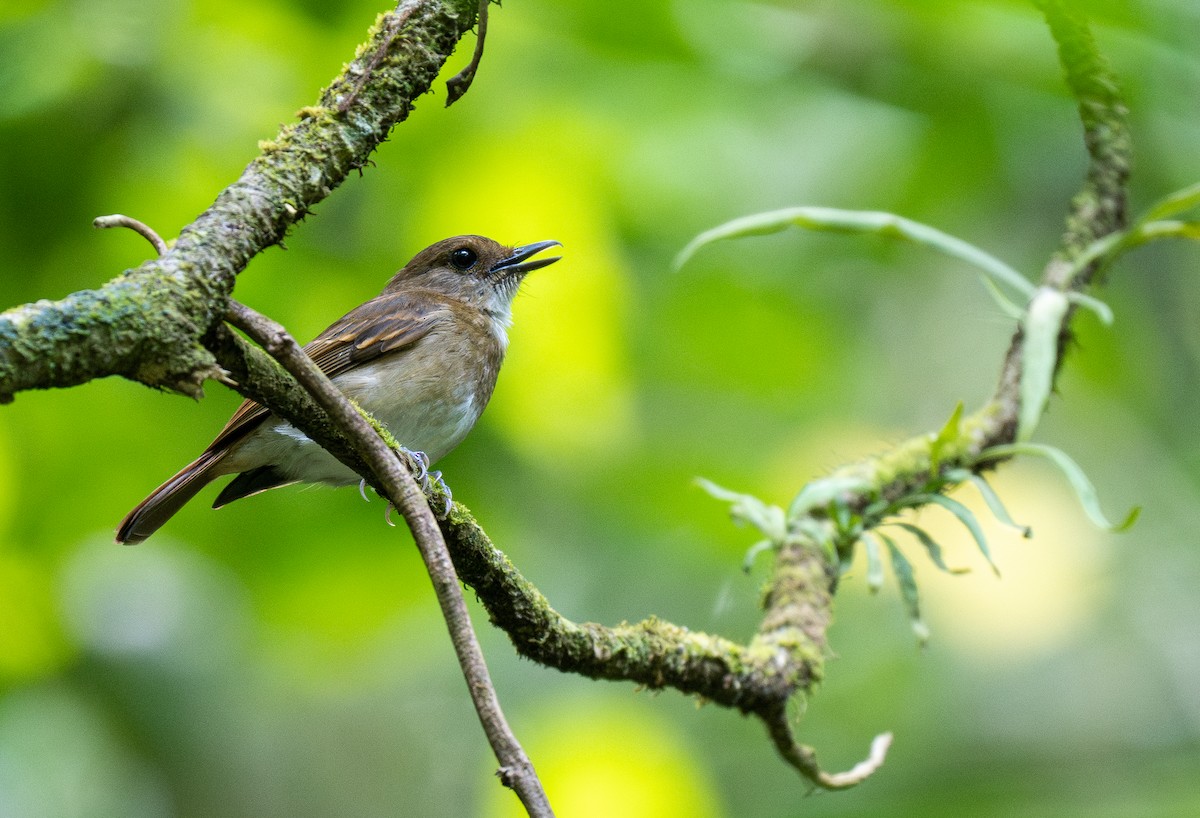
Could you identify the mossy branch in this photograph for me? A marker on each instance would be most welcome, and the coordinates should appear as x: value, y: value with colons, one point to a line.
x: 786, y: 656
x: 161, y: 324
x: 149, y: 323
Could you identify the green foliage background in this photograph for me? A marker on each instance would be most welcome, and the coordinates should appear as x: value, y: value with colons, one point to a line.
x: 284, y: 657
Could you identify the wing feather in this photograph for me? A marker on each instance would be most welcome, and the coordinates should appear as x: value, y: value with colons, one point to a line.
x: 390, y: 323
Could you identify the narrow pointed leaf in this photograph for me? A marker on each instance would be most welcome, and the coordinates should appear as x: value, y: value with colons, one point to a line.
x: 1173, y: 203
x: 1084, y: 489
x: 947, y: 435
x: 931, y: 547
x: 965, y: 517
x: 907, y: 580
x: 997, y: 506
x: 1006, y: 304
x: 747, y: 508
x: 877, y: 223
x: 820, y: 493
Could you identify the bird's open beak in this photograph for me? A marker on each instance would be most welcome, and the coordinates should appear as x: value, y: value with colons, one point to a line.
x: 517, y: 264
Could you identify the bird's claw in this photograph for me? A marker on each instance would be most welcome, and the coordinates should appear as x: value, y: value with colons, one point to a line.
x: 431, y: 482
x: 362, y: 490
x: 438, y: 485
x: 387, y: 515
x: 418, y: 462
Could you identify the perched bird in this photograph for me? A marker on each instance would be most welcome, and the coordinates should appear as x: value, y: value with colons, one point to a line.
x: 422, y: 357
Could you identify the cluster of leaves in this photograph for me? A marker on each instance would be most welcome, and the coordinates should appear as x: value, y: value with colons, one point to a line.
x: 840, y: 512
x: 830, y: 514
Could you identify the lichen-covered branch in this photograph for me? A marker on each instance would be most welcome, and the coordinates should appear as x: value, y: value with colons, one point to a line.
x: 148, y: 324
x: 162, y: 324
x: 394, y: 482
x: 786, y: 656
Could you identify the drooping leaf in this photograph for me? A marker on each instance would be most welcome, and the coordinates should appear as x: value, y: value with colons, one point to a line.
x: 1083, y: 487
x: 966, y: 517
x: 873, y: 222
x: 1102, y: 310
x: 907, y: 580
x: 931, y: 547
x: 994, y: 502
x: 752, y: 554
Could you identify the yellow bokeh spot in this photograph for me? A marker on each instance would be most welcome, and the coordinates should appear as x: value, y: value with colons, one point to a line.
x: 564, y: 392
x: 1049, y: 585
x: 602, y: 761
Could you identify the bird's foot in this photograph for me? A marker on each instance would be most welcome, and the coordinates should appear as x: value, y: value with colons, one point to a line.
x: 418, y: 464
x: 433, y: 486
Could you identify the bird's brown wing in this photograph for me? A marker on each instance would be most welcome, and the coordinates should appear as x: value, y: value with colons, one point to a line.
x: 389, y: 323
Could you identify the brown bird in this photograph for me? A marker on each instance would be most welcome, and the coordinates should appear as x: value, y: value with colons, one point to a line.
x: 422, y: 357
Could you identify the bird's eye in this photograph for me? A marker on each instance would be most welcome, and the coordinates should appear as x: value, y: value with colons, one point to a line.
x: 463, y: 258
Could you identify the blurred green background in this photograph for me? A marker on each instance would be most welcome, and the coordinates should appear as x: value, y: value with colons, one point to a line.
x: 284, y: 656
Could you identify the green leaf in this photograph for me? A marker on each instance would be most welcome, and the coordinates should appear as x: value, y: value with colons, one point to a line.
x: 877, y: 223
x: 1154, y: 224
x: 824, y: 492
x: 752, y: 554
x: 1173, y: 203
x: 1102, y: 310
x: 997, y: 507
x: 749, y: 509
x: 874, y: 563
x: 965, y: 517
x: 1039, y: 356
x: 931, y: 547
x: 1084, y: 489
x: 945, y: 437
x: 1006, y: 304
x: 907, y: 580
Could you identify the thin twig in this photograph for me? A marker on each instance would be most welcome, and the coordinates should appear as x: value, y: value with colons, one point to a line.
x: 804, y: 758
x: 458, y: 85
x: 141, y: 228
x: 397, y: 483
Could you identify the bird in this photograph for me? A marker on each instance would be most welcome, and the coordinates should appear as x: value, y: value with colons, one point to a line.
x: 422, y: 357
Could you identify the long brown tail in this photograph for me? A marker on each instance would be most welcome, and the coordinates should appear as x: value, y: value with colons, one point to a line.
x: 164, y: 501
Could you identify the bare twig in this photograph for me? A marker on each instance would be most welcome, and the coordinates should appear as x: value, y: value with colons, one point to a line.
x: 804, y: 758
x: 458, y: 85
x: 397, y: 484
x: 141, y: 228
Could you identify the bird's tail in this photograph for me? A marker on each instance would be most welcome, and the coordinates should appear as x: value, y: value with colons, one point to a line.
x: 164, y: 501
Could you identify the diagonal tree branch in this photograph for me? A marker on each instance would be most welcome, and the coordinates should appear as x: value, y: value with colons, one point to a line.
x: 397, y: 484
x: 148, y: 324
